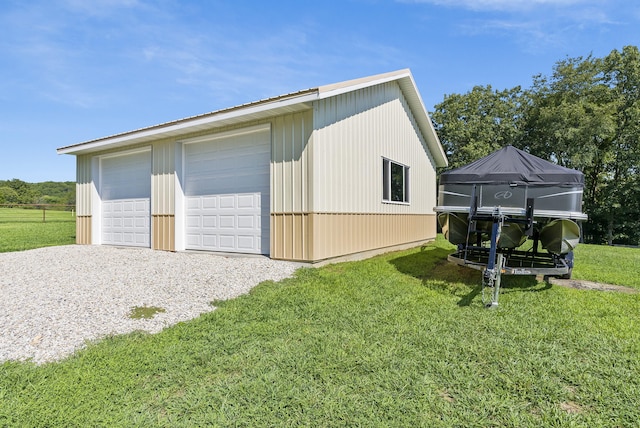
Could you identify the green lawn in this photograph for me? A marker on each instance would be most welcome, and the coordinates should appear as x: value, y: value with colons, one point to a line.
x: 611, y: 265
x: 24, y: 229
x: 397, y: 340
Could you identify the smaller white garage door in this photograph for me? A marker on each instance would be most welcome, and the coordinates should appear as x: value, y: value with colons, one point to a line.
x: 227, y: 193
x: 126, y: 194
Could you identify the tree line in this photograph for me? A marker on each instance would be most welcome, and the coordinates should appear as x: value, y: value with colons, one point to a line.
x: 585, y: 115
x: 18, y: 192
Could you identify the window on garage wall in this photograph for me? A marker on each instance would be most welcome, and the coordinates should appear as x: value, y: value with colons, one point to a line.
x: 395, y: 182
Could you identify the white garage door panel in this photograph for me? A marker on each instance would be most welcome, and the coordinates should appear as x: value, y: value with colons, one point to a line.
x: 238, y: 164
x: 125, y: 191
x: 225, y: 223
x: 227, y: 193
x: 126, y: 176
x: 126, y: 222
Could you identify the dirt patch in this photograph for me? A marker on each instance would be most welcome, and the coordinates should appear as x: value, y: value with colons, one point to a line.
x: 571, y: 407
x: 446, y: 397
x: 589, y: 285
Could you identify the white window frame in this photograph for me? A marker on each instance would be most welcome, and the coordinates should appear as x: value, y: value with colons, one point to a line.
x: 387, y: 193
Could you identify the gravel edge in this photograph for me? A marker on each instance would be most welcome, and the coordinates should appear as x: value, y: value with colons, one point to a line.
x: 55, y: 299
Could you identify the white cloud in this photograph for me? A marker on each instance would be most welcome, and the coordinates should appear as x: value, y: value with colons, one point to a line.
x: 534, y: 36
x: 536, y: 25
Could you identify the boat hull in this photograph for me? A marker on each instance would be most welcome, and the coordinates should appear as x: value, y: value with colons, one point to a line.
x: 560, y: 236
x: 511, y: 236
x: 454, y: 227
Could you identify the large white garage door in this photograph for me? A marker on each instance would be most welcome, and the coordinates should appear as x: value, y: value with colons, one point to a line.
x: 226, y: 184
x: 126, y: 193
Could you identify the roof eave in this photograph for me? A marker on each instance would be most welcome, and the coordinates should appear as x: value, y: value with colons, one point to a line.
x: 410, y: 90
x: 253, y: 111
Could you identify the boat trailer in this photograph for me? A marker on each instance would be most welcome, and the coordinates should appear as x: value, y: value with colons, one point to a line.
x: 486, y: 209
x: 495, y: 262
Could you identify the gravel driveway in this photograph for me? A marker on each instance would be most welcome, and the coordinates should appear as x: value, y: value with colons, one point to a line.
x: 54, y: 299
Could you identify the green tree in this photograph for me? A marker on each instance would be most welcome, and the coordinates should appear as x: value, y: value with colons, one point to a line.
x: 8, y: 195
x: 48, y: 192
x: 585, y: 116
x: 479, y: 122
x: 622, y: 75
x: 23, y: 189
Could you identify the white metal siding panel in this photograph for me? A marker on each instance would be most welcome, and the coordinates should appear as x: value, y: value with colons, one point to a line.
x: 163, y: 178
x: 226, y: 186
x: 290, y: 162
x: 84, y: 185
x: 352, y: 132
x: 125, y: 190
x: 126, y: 222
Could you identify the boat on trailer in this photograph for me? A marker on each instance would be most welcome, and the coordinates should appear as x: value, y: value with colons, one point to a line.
x: 491, y: 207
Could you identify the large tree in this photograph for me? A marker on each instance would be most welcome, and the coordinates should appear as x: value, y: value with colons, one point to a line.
x: 8, y: 196
x: 585, y: 116
x: 622, y: 75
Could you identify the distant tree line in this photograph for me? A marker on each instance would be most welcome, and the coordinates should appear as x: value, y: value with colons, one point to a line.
x: 585, y: 115
x: 16, y: 192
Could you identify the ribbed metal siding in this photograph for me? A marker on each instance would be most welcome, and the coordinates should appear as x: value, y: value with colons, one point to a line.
x: 163, y: 178
x: 322, y: 236
x: 84, y: 185
x: 352, y: 132
x: 339, y: 234
x: 84, y: 190
x: 290, y: 187
x: 83, y: 230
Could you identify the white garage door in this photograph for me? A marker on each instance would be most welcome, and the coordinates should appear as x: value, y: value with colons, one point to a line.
x: 126, y: 194
x: 226, y: 184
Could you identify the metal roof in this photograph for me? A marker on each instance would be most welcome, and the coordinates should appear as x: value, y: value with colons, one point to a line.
x: 269, y: 107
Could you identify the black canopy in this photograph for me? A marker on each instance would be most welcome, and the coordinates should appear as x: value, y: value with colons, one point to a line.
x: 513, y: 166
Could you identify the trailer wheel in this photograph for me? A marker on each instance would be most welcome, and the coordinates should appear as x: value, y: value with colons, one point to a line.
x: 569, y: 259
x: 566, y: 275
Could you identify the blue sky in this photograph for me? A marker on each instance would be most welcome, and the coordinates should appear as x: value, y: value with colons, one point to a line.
x: 76, y: 70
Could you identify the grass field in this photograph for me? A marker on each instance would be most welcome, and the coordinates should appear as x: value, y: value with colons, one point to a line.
x: 397, y: 340
x: 610, y: 265
x: 24, y: 229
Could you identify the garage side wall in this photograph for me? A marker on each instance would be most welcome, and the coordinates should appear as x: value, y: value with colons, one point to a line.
x: 353, y: 133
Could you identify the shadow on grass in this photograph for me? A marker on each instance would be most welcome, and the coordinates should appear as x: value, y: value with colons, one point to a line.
x: 431, y: 266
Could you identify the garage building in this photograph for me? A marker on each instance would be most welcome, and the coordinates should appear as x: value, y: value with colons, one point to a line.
x: 308, y: 176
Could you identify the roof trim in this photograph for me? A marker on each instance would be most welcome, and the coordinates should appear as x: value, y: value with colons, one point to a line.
x: 187, y: 125
x: 292, y: 102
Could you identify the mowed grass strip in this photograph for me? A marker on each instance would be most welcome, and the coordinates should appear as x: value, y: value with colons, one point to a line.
x: 609, y: 265
x: 397, y: 340
x: 24, y: 229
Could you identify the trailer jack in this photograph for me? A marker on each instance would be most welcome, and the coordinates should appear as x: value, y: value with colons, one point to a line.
x: 492, y: 274
x: 491, y: 280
